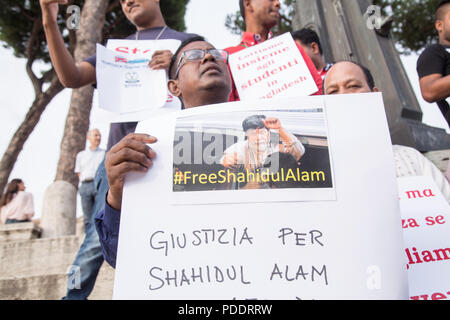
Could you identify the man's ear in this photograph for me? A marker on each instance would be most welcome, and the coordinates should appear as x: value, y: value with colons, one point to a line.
x: 375, y: 89
x: 174, y: 88
x: 438, y: 26
x: 315, y: 48
x: 247, y: 5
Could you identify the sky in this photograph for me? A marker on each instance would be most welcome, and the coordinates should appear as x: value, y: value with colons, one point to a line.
x: 38, y: 160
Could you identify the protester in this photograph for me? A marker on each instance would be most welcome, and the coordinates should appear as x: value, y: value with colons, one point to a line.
x: 260, y: 17
x: 199, y: 76
x: 433, y: 65
x: 16, y: 205
x: 310, y: 42
x: 150, y: 24
x: 251, y: 154
x: 86, y: 165
x: 349, y: 77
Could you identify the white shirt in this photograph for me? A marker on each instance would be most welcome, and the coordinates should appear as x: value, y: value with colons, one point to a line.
x: 87, y: 163
x: 410, y: 162
x: 21, y: 207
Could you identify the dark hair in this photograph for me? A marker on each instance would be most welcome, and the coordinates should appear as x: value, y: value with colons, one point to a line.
x: 253, y: 122
x: 242, y: 8
x: 11, y: 189
x: 439, y: 7
x: 308, y: 36
x: 367, y: 74
x: 175, y: 56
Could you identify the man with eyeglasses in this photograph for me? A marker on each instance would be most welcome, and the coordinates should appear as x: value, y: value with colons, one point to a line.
x: 260, y: 16
x: 198, y: 76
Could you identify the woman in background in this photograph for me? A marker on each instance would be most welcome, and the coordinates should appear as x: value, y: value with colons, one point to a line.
x: 16, y: 205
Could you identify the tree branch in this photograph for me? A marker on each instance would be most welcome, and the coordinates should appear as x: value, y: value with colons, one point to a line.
x: 31, y: 52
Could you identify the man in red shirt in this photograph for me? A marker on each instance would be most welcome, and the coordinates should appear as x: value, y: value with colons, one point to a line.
x: 260, y: 17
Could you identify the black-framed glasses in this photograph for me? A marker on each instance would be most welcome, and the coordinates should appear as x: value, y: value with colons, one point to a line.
x: 199, y: 54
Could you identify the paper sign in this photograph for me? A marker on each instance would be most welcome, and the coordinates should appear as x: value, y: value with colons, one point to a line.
x: 125, y: 82
x: 272, y: 69
x: 148, y: 48
x: 305, y: 248
x: 426, y: 227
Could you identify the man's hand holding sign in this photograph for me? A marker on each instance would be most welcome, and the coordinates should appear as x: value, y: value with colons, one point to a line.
x: 132, y: 153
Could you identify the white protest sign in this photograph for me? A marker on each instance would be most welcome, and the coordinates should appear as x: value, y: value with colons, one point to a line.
x: 324, y: 245
x: 426, y: 228
x: 126, y: 84
x: 272, y: 69
x: 148, y: 48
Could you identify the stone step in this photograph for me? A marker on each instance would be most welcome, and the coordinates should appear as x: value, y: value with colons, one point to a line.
x: 19, y: 231
x: 53, y: 286
x: 39, y: 256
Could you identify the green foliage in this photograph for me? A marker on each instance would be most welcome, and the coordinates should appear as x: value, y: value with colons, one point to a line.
x: 19, y: 16
x: 413, y: 27
x: 235, y: 23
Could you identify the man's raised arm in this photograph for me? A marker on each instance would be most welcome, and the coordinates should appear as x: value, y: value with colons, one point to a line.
x: 70, y: 74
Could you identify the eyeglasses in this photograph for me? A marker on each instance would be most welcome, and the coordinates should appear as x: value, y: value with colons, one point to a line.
x: 198, y: 54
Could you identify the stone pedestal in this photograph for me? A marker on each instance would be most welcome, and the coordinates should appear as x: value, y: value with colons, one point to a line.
x: 59, y: 210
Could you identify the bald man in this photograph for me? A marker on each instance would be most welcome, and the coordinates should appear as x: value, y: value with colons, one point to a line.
x: 86, y: 166
x: 349, y: 77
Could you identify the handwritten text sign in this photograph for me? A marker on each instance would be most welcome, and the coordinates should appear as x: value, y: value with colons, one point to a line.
x: 272, y: 69
x: 296, y: 249
x: 426, y: 227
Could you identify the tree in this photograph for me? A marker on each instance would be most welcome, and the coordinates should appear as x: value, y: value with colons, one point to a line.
x: 60, y: 197
x: 21, y: 30
x: 412, y: 28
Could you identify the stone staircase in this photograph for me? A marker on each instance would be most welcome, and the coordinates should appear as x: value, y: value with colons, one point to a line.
x: 32, y: 268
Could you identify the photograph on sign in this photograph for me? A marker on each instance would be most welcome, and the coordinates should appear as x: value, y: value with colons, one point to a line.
x: 262, y: 151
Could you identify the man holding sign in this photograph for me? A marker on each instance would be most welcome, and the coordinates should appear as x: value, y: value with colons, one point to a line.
x: 199, y: 76
x: 260, y: 17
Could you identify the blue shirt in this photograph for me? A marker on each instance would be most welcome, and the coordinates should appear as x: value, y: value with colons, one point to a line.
x: 107, y: 223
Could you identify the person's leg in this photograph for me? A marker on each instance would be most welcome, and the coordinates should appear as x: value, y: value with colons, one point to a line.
x: 87, y: 194
x: 12, y: 221
x: 84, y: 271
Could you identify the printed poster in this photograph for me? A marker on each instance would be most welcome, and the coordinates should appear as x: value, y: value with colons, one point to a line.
x: 126, y: 84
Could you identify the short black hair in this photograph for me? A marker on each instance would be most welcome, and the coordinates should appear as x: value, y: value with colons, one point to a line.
x: 242, y: 8
x: 308, y: 36
x: 253, y: 122
x: 439, y: 13
x: 368, y: 75
x: 175, y: 56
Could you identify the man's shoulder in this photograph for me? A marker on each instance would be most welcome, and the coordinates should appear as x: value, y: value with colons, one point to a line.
x: 234, y: 49
x: 434, y: 49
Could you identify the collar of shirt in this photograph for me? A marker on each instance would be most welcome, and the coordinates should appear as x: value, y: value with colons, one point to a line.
x: 250, y: 39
